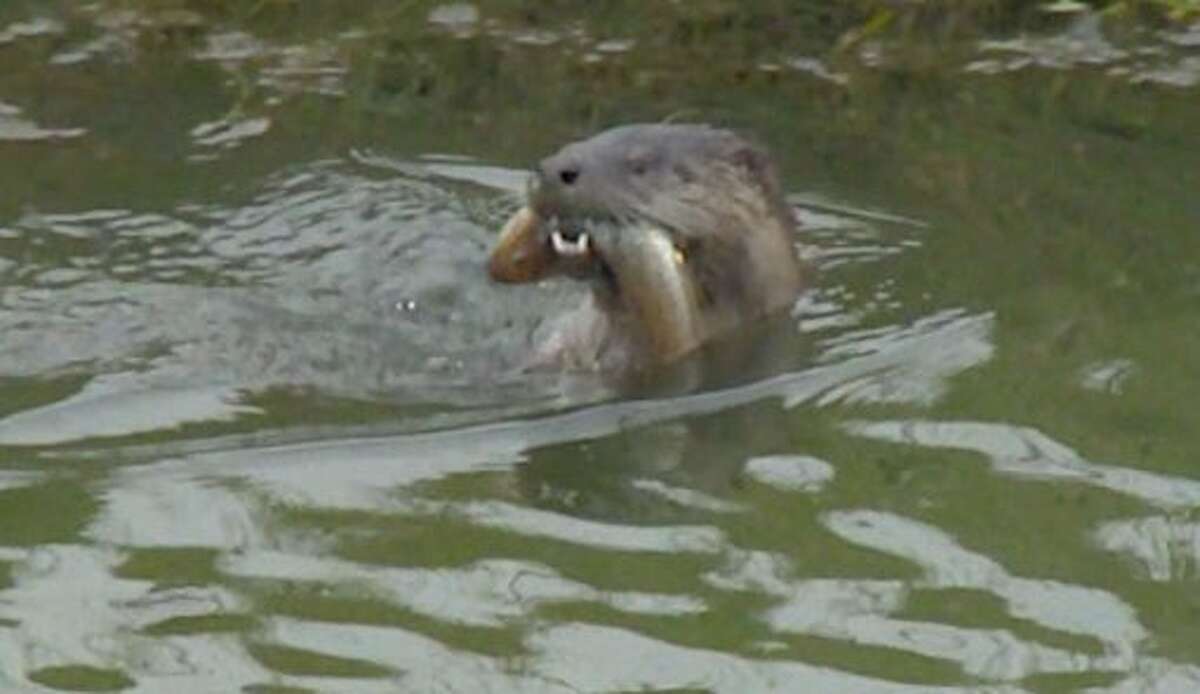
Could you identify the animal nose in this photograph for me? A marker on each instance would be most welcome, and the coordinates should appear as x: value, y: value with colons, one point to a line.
x: 561, y: 170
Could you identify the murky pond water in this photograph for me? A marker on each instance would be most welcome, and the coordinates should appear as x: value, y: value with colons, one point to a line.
x: 263, y: 426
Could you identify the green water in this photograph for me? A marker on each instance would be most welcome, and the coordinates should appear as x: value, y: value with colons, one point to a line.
x: 260, y: 425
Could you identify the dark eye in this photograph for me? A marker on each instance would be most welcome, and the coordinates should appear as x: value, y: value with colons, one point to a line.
x: 568, y: 176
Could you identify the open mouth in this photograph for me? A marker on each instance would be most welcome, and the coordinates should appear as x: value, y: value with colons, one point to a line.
x: 531, y: 247
x: 570, y: 244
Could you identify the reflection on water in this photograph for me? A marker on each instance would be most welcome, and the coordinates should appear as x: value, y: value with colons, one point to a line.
x: 239, y: 505
x: 264, y: 425
x: 1021, y: 451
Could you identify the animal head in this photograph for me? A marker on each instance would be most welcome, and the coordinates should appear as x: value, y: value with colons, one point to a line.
x: 682, y: 226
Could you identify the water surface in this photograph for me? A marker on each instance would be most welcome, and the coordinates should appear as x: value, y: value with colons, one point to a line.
x: 263, y: 426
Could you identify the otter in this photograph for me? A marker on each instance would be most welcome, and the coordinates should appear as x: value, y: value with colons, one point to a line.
x: 681, y: 231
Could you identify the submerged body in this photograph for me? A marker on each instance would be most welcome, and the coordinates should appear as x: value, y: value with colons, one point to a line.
x: 681, y: 231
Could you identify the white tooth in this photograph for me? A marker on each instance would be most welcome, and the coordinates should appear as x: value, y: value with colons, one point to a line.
x: 576, y: 248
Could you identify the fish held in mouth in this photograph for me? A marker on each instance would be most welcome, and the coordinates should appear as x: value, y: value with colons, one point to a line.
x: 680, y: 230
x: 521, y: 255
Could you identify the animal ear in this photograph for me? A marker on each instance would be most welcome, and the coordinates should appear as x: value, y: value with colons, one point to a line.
x: 752, y: 159
x: 758, y: 166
